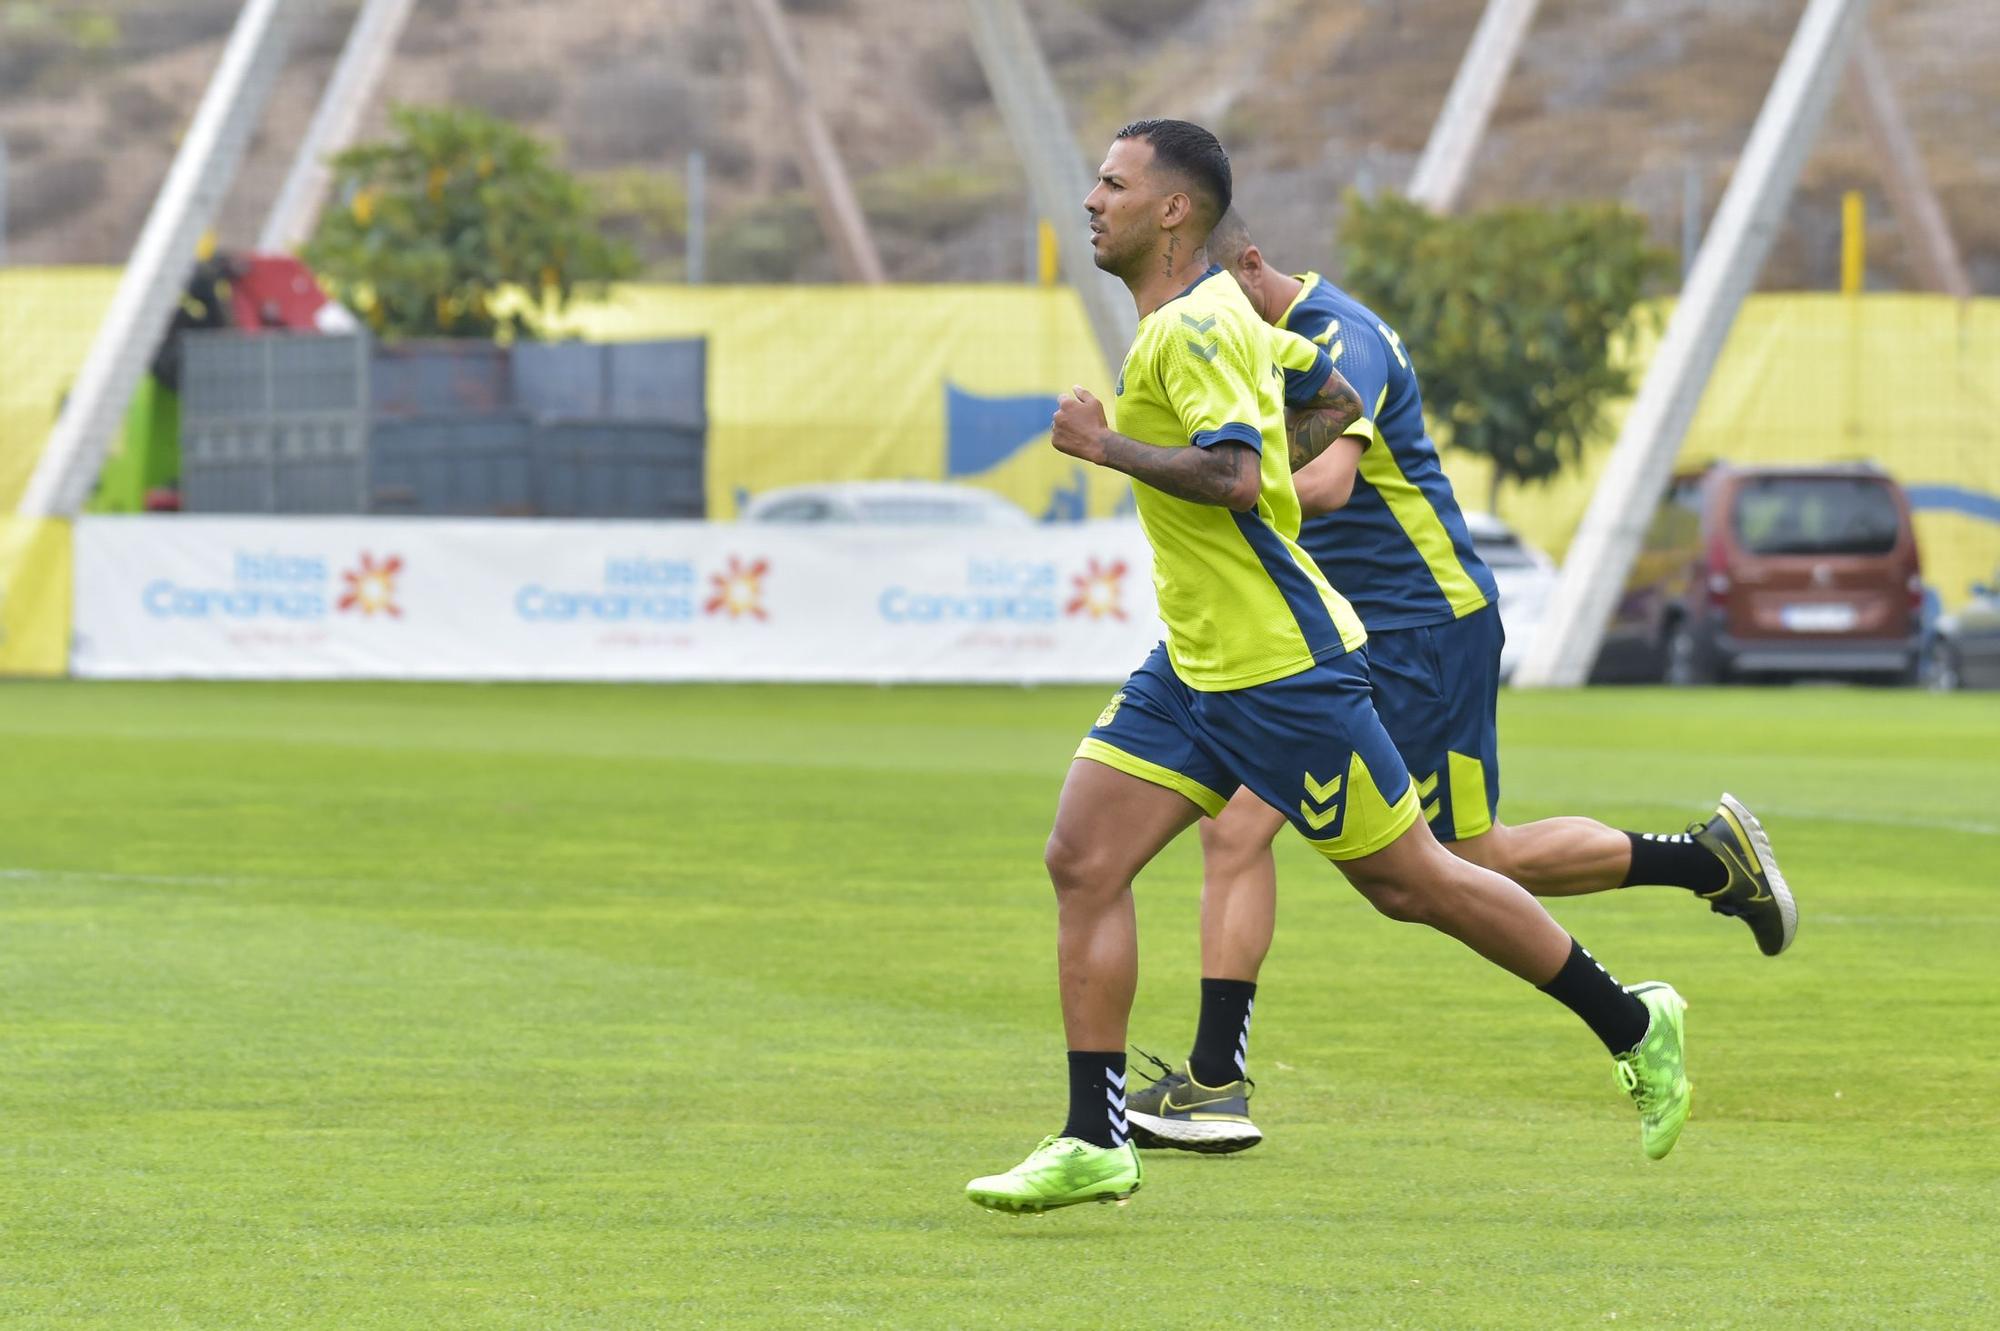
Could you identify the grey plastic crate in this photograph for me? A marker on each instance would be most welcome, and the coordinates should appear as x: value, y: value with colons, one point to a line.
x: 440, y: 378
x: 273, y: 423
x: 657, y: 382
x: 227, y: 487
x: 619, y: 469
x: 452, y: 465
x: 301, y: 424
x: 232, y: 376
x: 320, y: 465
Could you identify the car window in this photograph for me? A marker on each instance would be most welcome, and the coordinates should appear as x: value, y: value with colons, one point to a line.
x: 1502, y: 551
x: 917, y: 508
x: 804, y: 509
x: 1816, y: 515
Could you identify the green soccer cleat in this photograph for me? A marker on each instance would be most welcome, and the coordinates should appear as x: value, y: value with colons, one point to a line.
x: 1756, y: 891
x: 1654, y: 1073
x: 1062, y: 1171
x: 1179, y: 1113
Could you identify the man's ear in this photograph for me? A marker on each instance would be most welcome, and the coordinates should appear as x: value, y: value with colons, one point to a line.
x: 1252, y: 262
x: 1179, y: 206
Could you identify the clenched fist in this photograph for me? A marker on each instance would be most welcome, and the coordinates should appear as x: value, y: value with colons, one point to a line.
x: 1079, y: 426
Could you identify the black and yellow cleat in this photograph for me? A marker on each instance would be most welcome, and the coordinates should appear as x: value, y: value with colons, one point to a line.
x: 1756, y: 891
x: 1179, y: 1113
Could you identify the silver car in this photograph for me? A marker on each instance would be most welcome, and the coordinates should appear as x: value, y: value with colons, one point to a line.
x: 1525, y: 576
x: 937, y: 503
x: 1965, y: 652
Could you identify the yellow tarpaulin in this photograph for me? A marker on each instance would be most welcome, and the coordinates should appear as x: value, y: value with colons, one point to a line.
x: 47, y: 318
x: 893, y: 382
x: 1911, y: 382
x: 957, y: 382
x: 34, y: 597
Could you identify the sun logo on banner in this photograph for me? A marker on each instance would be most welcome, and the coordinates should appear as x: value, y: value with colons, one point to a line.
x: 371, y: 588
x: 738, y: 590
x: 1098, y: 592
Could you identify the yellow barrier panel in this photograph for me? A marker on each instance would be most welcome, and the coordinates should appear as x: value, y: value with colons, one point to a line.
x: 956, y: 382
x: 1911, y: 382
x: 34, y: 597
x: 47, y: 318
x: 1048, y: 254
x: 1853, y: 242
x: 896, y: 382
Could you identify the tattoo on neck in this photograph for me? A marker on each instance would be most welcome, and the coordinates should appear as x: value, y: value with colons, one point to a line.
x: 1173, y: 248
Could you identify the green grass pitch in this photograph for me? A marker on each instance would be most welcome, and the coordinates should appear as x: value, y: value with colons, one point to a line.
x: 429, y: 1006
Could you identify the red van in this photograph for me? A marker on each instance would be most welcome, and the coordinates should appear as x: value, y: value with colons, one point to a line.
x: 1806, y: 570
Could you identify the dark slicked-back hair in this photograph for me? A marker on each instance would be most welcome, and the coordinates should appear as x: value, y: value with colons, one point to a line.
x: 1194, y: 153
x: 1229, y: 238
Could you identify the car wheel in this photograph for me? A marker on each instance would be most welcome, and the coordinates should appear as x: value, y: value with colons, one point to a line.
x: 1939, y: 671
x: 1688, y: 661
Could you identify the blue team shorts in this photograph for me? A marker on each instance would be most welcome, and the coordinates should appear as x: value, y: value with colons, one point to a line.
x: 1309, y: 745
x: 1436, y: 688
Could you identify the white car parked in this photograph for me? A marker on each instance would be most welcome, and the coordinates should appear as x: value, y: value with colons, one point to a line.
x: 894, y: 502
x: 1525, y: 576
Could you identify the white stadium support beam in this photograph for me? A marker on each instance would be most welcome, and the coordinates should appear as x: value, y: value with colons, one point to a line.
x: 1461, y: 124
x: 155, y: 275
x: 1058, y: 175
x: 1746, y: 222
x: 1918, y: 212
x: 371, y: 43
x: 846, y: 225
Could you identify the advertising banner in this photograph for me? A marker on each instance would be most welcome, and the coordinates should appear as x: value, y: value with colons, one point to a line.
x: 34, y: 596
x: 326, y: 598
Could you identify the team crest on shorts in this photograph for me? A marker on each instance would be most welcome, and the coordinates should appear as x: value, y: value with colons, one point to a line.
x: 1104, y: 718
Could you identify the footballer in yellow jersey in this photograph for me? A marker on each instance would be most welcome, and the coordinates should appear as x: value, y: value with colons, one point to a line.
x: 1381, y: 520
x: 1262, y: 682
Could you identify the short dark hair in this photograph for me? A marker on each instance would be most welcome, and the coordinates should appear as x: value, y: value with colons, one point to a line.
x: 1194, y: 153
x: 1229, y: 239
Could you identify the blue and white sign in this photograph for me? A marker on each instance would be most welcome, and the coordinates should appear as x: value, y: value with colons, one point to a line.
x: 408, y: 598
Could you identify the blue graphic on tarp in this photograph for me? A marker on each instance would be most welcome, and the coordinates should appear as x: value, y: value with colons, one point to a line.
x: 1069, y: 503
x: 983, y: 432
x: 1955, y: 499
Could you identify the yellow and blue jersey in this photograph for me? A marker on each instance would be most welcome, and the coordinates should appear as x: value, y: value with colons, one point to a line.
x: 1399, y: 550
x: 1243, y: 604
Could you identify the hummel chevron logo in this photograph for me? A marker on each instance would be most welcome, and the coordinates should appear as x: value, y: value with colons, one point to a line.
x: 1318, y: 793
x: 1332, y: 331
x: 1206, y: 350
x: 1115, y: 1078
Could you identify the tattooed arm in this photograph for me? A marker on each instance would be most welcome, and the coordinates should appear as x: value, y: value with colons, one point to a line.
x: 1327, y: 482
x: 1314, y: 424
x: 1225, y: 474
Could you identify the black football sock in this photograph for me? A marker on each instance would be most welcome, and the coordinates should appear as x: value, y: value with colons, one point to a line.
x: 1587, y: 989
x: 1222, y: 1036
x: 1674, y: 859
x: 1096, y: 1098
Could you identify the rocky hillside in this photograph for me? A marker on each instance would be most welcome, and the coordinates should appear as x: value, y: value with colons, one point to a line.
x: 1613, y: 98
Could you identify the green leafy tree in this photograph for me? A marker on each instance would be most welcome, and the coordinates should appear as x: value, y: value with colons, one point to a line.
x: 459, y: 225
x: 1513, y: 315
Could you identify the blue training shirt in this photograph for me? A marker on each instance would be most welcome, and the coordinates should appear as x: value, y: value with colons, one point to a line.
x: 1398, y: 550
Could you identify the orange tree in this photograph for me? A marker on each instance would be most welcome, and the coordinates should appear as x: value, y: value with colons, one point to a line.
x: 441, y: 223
